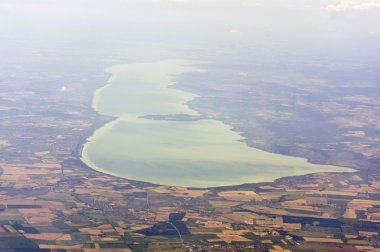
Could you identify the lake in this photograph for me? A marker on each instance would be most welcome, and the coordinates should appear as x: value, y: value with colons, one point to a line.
x: 193, y: 153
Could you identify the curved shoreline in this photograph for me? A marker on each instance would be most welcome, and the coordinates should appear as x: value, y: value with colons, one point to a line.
x: 86, y: 160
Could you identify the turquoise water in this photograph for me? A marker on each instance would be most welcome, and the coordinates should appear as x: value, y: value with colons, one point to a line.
x: 200, y: 153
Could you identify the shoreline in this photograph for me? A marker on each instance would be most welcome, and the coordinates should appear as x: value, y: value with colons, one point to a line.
x: 109, y: 120
x: 79, y: 157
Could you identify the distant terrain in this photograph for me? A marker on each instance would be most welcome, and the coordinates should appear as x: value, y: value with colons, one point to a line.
x: 327, y: 114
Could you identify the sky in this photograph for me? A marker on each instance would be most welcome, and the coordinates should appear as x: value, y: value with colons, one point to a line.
x: 193, y: 25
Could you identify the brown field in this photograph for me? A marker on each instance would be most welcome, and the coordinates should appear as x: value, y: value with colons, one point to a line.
x: 241, y: 217
x: 91, y: 231
x: 38, y: 215
x: 11, y: 172
x: 49, y: 236
x: 137, y: 227
x: 244, y: 196
x: 162, y: 213
x: 180, y: 191
x: 366, y: 249
x: 223, y: 204
x: 340, y: 193
x: 323, y: 240
x: 263, y: 209
x: 217, y: 224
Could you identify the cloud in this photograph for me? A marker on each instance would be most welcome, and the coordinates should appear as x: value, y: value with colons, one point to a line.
x: 173, y: 1
x: 349, y: 5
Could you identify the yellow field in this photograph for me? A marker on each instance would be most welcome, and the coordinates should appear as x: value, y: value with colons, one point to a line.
x: 232, y: 236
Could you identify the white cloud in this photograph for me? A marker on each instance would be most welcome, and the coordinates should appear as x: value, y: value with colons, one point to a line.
x: 348, y: 5
x: 173, y: 1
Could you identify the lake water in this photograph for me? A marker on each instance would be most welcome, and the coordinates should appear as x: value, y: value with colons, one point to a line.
x: 201, y: 153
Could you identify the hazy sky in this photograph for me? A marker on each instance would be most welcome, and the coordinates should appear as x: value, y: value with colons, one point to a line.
x: 224, y: 25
